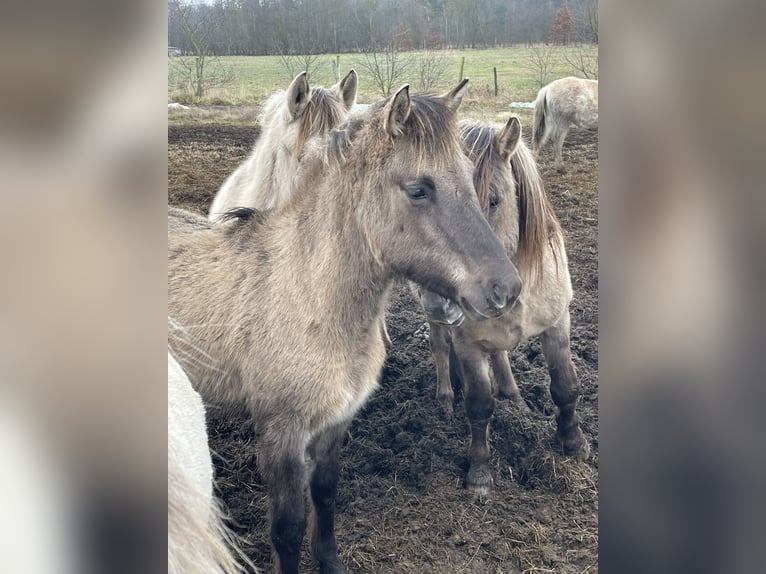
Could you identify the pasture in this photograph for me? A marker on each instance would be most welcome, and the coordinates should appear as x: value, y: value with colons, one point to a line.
x: 254, y: 78
x: 401, y: 504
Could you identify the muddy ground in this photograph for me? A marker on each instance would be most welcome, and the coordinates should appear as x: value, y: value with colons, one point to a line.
x: 402, y: 507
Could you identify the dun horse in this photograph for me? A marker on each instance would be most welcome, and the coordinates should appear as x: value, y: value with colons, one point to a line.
x: 511, y: 193
x: 561, y: 103
x: 289, y: 119
x: 198, y: 540
x: 289, y: 306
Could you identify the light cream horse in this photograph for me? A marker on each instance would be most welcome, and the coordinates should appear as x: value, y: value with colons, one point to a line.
x: 511, y: 192
x: 198, y: 540
x: 561, y: 103
x: 289, y: 120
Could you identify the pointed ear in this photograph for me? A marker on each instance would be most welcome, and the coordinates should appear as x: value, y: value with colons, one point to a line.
x: 298, y: 95
x: 346, y: 88
x: 455, y: 95
x: 397, y: 111
x: 509, y: 137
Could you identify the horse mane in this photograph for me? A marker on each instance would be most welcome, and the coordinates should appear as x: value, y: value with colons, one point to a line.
x: 539, y: 228
x: 538, y: 225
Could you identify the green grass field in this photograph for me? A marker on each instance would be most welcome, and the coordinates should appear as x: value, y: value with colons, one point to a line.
x: 256, y: 77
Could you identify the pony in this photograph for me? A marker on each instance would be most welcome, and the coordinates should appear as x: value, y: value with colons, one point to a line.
x: 198, y: 540
x: 510, y: 190
x: 288, y: 306
x: 289, y: 119
x: 561, y: 103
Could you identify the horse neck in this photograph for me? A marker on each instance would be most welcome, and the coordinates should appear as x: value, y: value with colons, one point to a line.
x: 329, y: 255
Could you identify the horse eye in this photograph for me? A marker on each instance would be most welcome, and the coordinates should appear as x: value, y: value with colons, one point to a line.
x: 419, y: 190
x: 494, y: 201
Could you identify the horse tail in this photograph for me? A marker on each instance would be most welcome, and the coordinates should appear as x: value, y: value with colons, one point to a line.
x: 539, y: 126
x: 199, y: 541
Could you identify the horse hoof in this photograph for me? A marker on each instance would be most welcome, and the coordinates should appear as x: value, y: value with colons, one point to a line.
x: 446, y: 406
x: 333, y: 567
x: 479, y: 481
x: 576, y: 446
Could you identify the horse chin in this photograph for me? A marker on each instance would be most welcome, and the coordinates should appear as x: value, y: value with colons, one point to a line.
x: 474, y: 314
x: 440, y: 309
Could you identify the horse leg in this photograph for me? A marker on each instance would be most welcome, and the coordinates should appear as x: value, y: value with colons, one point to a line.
x: 559, y: 136
x: 479, y: 406
x: 281, y: 461
x: 325, y: 450
x: 440, y: 349
x: 565, y: 387
x: 506, y: 384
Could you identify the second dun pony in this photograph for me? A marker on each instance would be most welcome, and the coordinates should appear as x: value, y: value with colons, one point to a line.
x: 511, y: 193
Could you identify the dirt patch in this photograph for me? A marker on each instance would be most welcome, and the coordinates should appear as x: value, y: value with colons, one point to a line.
x: 401, y: 504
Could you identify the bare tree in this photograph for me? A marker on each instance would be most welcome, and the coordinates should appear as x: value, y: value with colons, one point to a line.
x: 294, y: 64
x: 541, y: 61
x: 589, y: 19
x: 387, y: 67
x: 583, y: 59
x: 200, y: 71
x: 431, y: 68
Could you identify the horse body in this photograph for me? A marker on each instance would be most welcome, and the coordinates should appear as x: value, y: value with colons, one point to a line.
x: 528, y: 228
x: 289, y: 119
x: 561, y: 103
x: 288, y: 307
x: 198, y: 540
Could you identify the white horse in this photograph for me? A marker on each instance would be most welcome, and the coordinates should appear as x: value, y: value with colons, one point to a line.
x: 198, y: 540
x: 289, y: 119
x: 561, y: 103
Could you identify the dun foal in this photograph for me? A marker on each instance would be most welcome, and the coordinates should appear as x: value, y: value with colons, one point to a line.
x: 511, y: 193
x: 289, y: 306
x: 289, y: 119
x: 561, y: 103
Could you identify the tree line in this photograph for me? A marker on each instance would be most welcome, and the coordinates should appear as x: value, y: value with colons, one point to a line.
x: 269, y: 27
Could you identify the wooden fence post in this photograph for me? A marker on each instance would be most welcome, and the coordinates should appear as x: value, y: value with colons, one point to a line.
x: 494, y: 71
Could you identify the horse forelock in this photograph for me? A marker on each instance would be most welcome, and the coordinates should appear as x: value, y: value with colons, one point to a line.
x: 324, y: 112
x: 432, y: 129
x: 430, y: 134
x: 478, y: 143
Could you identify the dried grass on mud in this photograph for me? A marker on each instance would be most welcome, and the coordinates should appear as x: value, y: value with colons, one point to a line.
x: 401, y: 504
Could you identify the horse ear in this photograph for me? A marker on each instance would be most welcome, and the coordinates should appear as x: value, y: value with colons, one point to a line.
x: 455, y: 95
x: 298, y: 95
x: 509, y: 137
x: 397, y: 111
x: 346, y: 88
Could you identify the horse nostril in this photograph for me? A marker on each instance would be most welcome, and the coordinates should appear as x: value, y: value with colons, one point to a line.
x: 498, y: 296
x: 515, y: 292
